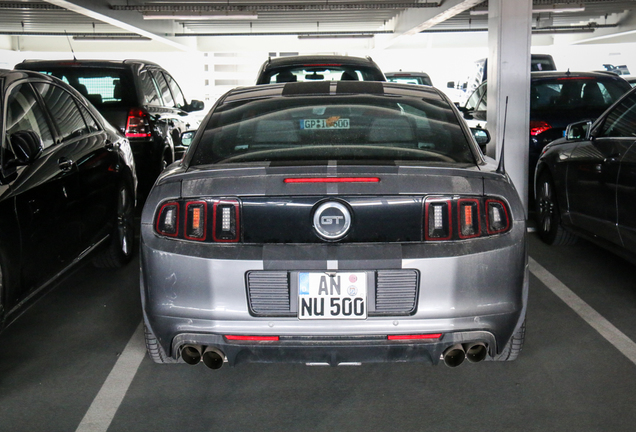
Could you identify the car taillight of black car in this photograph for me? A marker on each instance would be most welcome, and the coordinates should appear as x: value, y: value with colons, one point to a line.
x: 445, y: 218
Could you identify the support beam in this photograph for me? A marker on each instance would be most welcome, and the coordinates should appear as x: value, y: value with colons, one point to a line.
x: 129, y: 21
x: 509, y: 34
x: 412, y: 21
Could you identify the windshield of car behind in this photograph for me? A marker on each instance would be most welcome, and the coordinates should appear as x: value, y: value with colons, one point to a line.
x: 103, y: 87
x: 341, y: 127
x: 575, y: 93
x: 321, y: 73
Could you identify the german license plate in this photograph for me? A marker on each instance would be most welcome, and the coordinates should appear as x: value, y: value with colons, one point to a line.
x: 332, y: 295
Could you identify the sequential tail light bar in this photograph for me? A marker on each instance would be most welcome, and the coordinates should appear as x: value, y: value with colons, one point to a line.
x: 333, y: 180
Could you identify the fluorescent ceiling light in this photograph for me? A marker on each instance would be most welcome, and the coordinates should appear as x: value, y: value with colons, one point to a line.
x: 110, y: 38
x: 336, y: 36
x: 555, y: 8
x: 200, y: 16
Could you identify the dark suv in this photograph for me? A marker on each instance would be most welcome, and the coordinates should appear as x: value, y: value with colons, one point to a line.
x: 139, y: 98
x: 319, y: 68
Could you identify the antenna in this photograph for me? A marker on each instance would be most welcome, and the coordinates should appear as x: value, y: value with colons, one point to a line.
x: 69, y: 44
x: 501, y: 168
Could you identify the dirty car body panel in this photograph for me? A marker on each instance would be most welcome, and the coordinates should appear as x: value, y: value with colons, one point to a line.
x: 333, y: 224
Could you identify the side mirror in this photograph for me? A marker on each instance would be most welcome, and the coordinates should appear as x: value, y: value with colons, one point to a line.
x: 482, y: 137
x: 187, y: 137
x: 194, y: 105
x: 26, y: 147
x: 578, y: 131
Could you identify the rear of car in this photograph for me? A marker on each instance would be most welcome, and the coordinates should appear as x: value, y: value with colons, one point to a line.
x: 319, y: 68
x: 137, y: 97
x: 333, y: 223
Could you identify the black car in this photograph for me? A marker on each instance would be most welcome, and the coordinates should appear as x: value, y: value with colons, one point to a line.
x: 139, y: 98
x: 585, y: 182
x: 67, y: 187
x: 556, y: 100
x: 318, y: 68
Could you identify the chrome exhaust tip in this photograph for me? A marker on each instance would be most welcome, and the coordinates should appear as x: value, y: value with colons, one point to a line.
x: 476, y: 352
x: 213, y: 358
x: 191, y: 354
x: 454, y: 356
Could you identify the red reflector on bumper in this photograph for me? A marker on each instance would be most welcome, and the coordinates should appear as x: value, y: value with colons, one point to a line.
x: 419, y: 336
x: 333, y: 180
x: 251, y: 338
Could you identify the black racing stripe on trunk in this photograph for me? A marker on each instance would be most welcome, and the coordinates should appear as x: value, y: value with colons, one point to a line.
x: 370, y: 87
x: 306, y: 88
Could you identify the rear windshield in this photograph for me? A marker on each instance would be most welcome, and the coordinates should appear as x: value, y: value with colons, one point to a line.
x: 574, y: 93
x: 320, y: 73
x: 103, y: 87
x: 341, y: 127
x: 410, y: 79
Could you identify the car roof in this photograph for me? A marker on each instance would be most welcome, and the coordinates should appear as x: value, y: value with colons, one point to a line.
x: 561, y: 74
x: 405, y: 73
x: 31, y: 63
x: 327, y: 88
x: 303, y: 59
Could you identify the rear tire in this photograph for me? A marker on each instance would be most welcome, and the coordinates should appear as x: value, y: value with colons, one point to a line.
x: 513, y: 347
x: 155, y: 351
x: 120, y: 248
x: 549, y: 225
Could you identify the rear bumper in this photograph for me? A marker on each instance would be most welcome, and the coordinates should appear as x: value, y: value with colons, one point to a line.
x: 333, y: 351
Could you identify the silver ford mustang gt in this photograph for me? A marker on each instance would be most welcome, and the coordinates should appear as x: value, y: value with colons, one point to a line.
x: 333, y: 223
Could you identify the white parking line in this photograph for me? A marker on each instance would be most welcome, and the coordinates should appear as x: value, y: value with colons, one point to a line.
x: 101, y: 412
x: 617, y: 338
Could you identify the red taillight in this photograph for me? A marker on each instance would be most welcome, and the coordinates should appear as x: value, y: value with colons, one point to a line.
x: 438, y: 220
x: 137, y: 125
x: 469, y: 220
x: 168, y: 219
x: 538, y: 127
x: 189, y: 219
x: 225, y: 216
x: 415, y: 337
x: 461, y: 218
x: 196, y: 220
x: 251, y: 338
x: 332, y: 180
x: 497, y: 216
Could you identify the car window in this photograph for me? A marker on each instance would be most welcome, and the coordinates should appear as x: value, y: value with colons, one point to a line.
x: 473, y: 100
x: 574, y: 93
x: 409, y: 79
x: 102, y: 87
x: 64, y: 110
x: 25, y: 114
x: 321, y: 73
x: 621, y: 121
x: 334, y: 128
x: 176, y: 91
x: 149, y: 88
x: 89, y: 119
x: 164, y: 90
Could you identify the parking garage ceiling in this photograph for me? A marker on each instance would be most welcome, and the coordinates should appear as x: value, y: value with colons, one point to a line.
x: 172, y: 22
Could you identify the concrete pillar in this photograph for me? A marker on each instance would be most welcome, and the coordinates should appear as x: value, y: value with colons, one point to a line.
x: 509, y: 37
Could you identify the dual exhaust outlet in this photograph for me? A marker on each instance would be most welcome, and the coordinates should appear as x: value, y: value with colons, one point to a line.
x: 456, y: 354
x: 212, y: 357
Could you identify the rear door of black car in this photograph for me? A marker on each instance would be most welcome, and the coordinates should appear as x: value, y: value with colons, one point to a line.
x: 93, y: 157
x: 46, y: 193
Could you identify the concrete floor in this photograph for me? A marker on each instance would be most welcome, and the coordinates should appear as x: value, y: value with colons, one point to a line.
x: 63, y: 359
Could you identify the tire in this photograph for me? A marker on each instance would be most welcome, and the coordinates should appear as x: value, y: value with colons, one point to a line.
x: 513, y: 347
x: 120, y: 249
x: 548, y: 216
x: 155, y: 351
